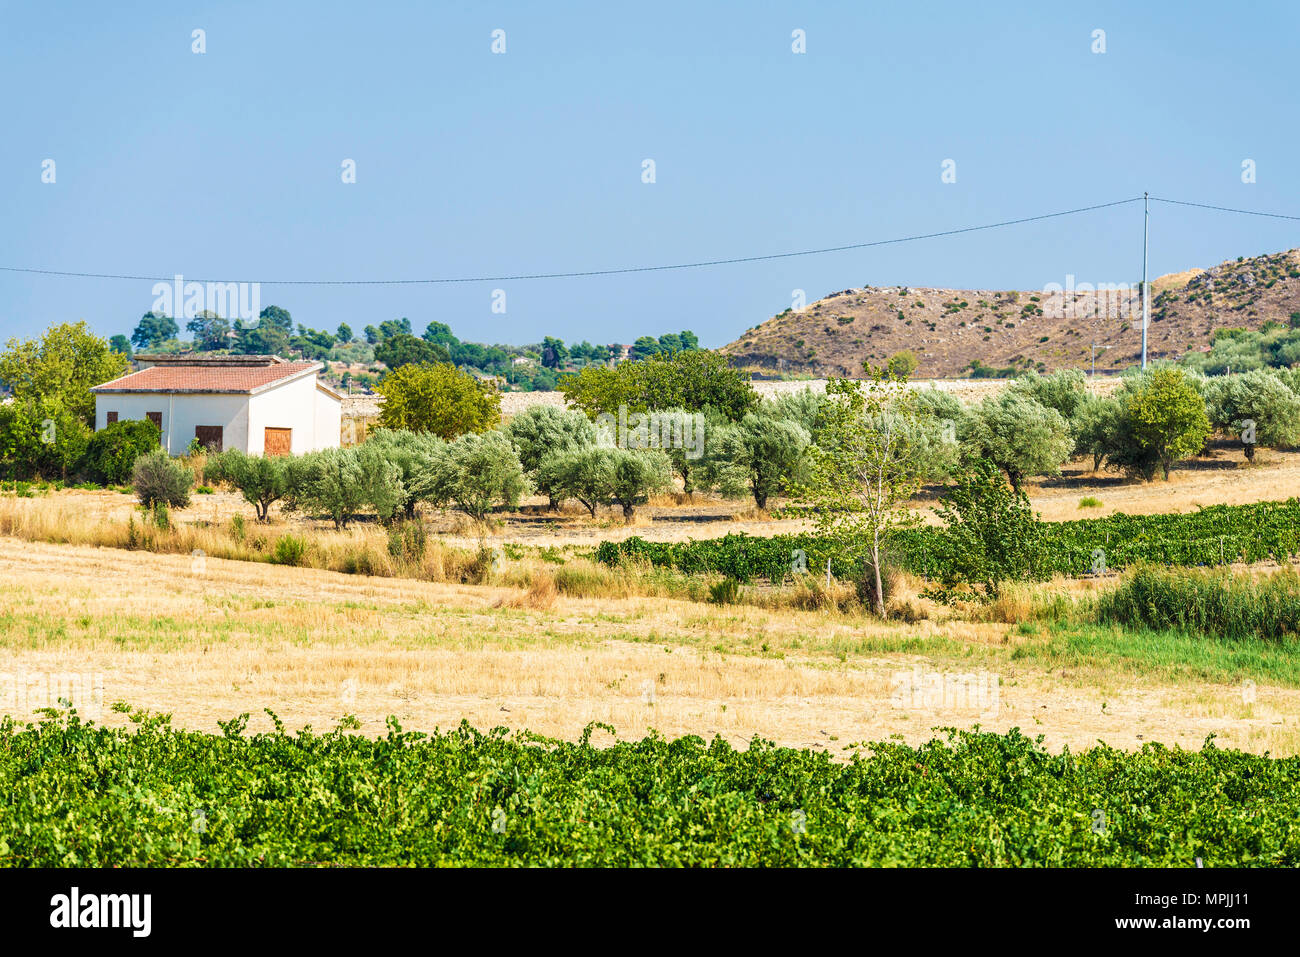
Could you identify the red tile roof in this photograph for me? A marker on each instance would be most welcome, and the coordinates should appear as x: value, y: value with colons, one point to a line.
x: 205, y: 377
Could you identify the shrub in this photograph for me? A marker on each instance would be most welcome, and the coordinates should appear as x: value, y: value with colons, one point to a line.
x: 339, y: 482
x: 725, y: 592
x: 157, y: 479
x: 111, y: 452
x: 289, y: 550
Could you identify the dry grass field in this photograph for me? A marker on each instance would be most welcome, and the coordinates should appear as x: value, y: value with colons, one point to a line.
x: 547, y: 641
x: 208, y: 640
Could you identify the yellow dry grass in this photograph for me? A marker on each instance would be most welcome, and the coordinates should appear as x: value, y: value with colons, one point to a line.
x: 206, y: 642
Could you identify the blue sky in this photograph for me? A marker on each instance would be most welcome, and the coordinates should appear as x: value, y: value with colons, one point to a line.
x: 228, y: 164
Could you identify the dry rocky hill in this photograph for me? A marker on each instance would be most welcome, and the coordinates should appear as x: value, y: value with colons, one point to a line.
x: 951, y: 329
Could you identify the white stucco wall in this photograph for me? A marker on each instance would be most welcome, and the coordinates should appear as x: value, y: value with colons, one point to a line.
x: 313, y: 416
x: 180, y: 414
x: 329, y: 420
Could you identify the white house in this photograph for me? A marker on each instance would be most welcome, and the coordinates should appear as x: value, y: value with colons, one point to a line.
x: 258, y: 404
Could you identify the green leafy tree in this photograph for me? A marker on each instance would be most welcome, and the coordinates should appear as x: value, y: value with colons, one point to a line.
x: 903, y: 364
x: 153, y: 330
x: 262, y: 480
x: 120, y: 343
x: 860, y: 475
x: 276, y: 317
x: 1162, y: 419
x: 695, y: 380
x: 39, y: 437
x: 553, y: 352
x: 478, y: 472
x: 403, y: 349
x: 544, y: 430
x: 992, y: 534
x: 210, y: 331
x: 437, y: 398
x: 1256, y: 406
x: 60, y: 368
x: 344, y: 333
x: 1018, y: 435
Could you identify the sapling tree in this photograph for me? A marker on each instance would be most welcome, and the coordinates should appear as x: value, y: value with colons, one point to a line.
x: 860, y: 475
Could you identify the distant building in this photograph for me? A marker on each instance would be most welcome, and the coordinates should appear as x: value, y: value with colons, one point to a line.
x: 257, y: 404
x: 619, y: 352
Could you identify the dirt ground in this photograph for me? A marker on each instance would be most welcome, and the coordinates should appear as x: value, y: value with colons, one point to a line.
x: 206, y: 641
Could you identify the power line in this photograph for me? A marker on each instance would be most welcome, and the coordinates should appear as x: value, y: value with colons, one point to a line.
x: 625, y: 270
x: 589, y: 272
x: 1224, y: 209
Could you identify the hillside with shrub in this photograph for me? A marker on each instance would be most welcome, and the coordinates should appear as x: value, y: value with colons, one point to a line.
x: 957, y: 332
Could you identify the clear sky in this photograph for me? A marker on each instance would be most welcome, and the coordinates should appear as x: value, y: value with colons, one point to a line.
x: 228, y: 164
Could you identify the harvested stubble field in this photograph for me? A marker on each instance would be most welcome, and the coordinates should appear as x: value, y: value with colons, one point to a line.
x: 208, y: 642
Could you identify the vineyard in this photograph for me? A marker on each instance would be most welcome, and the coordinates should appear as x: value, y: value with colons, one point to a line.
x: 1209, y: 536
x: 82, y: 795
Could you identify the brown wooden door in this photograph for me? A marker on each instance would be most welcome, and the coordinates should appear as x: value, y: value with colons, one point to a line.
x: 209, y: 436
x: 278, y: 441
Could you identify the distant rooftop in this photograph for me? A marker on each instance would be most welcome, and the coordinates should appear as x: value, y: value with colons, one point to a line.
x: 244, y: 375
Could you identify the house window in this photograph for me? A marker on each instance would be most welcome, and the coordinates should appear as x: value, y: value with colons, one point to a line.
x: 110, y: 418
x: 156, y: 419
x: 209, y: 437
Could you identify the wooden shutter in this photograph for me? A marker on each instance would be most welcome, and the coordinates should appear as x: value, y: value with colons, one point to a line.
x: 110, y: 418
x: 209, y: 436
x: 278, y: 442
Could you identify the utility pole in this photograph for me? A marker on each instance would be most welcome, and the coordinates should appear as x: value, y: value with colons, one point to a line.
x: 1146, y: 295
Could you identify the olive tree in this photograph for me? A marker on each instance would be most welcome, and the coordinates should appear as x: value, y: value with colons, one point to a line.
x: 261, y: 479
x: 544, y: 430
x: 761, y: 454
x: 1256, y: 406
x: 479, y: 472
x: 416, y: 456
x: 601, y: 475
x: 1019, y: 435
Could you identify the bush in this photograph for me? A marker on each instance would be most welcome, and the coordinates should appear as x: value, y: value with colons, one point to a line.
x: 157, y: 479
x: 111, y: 452
x: 289, y: 550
